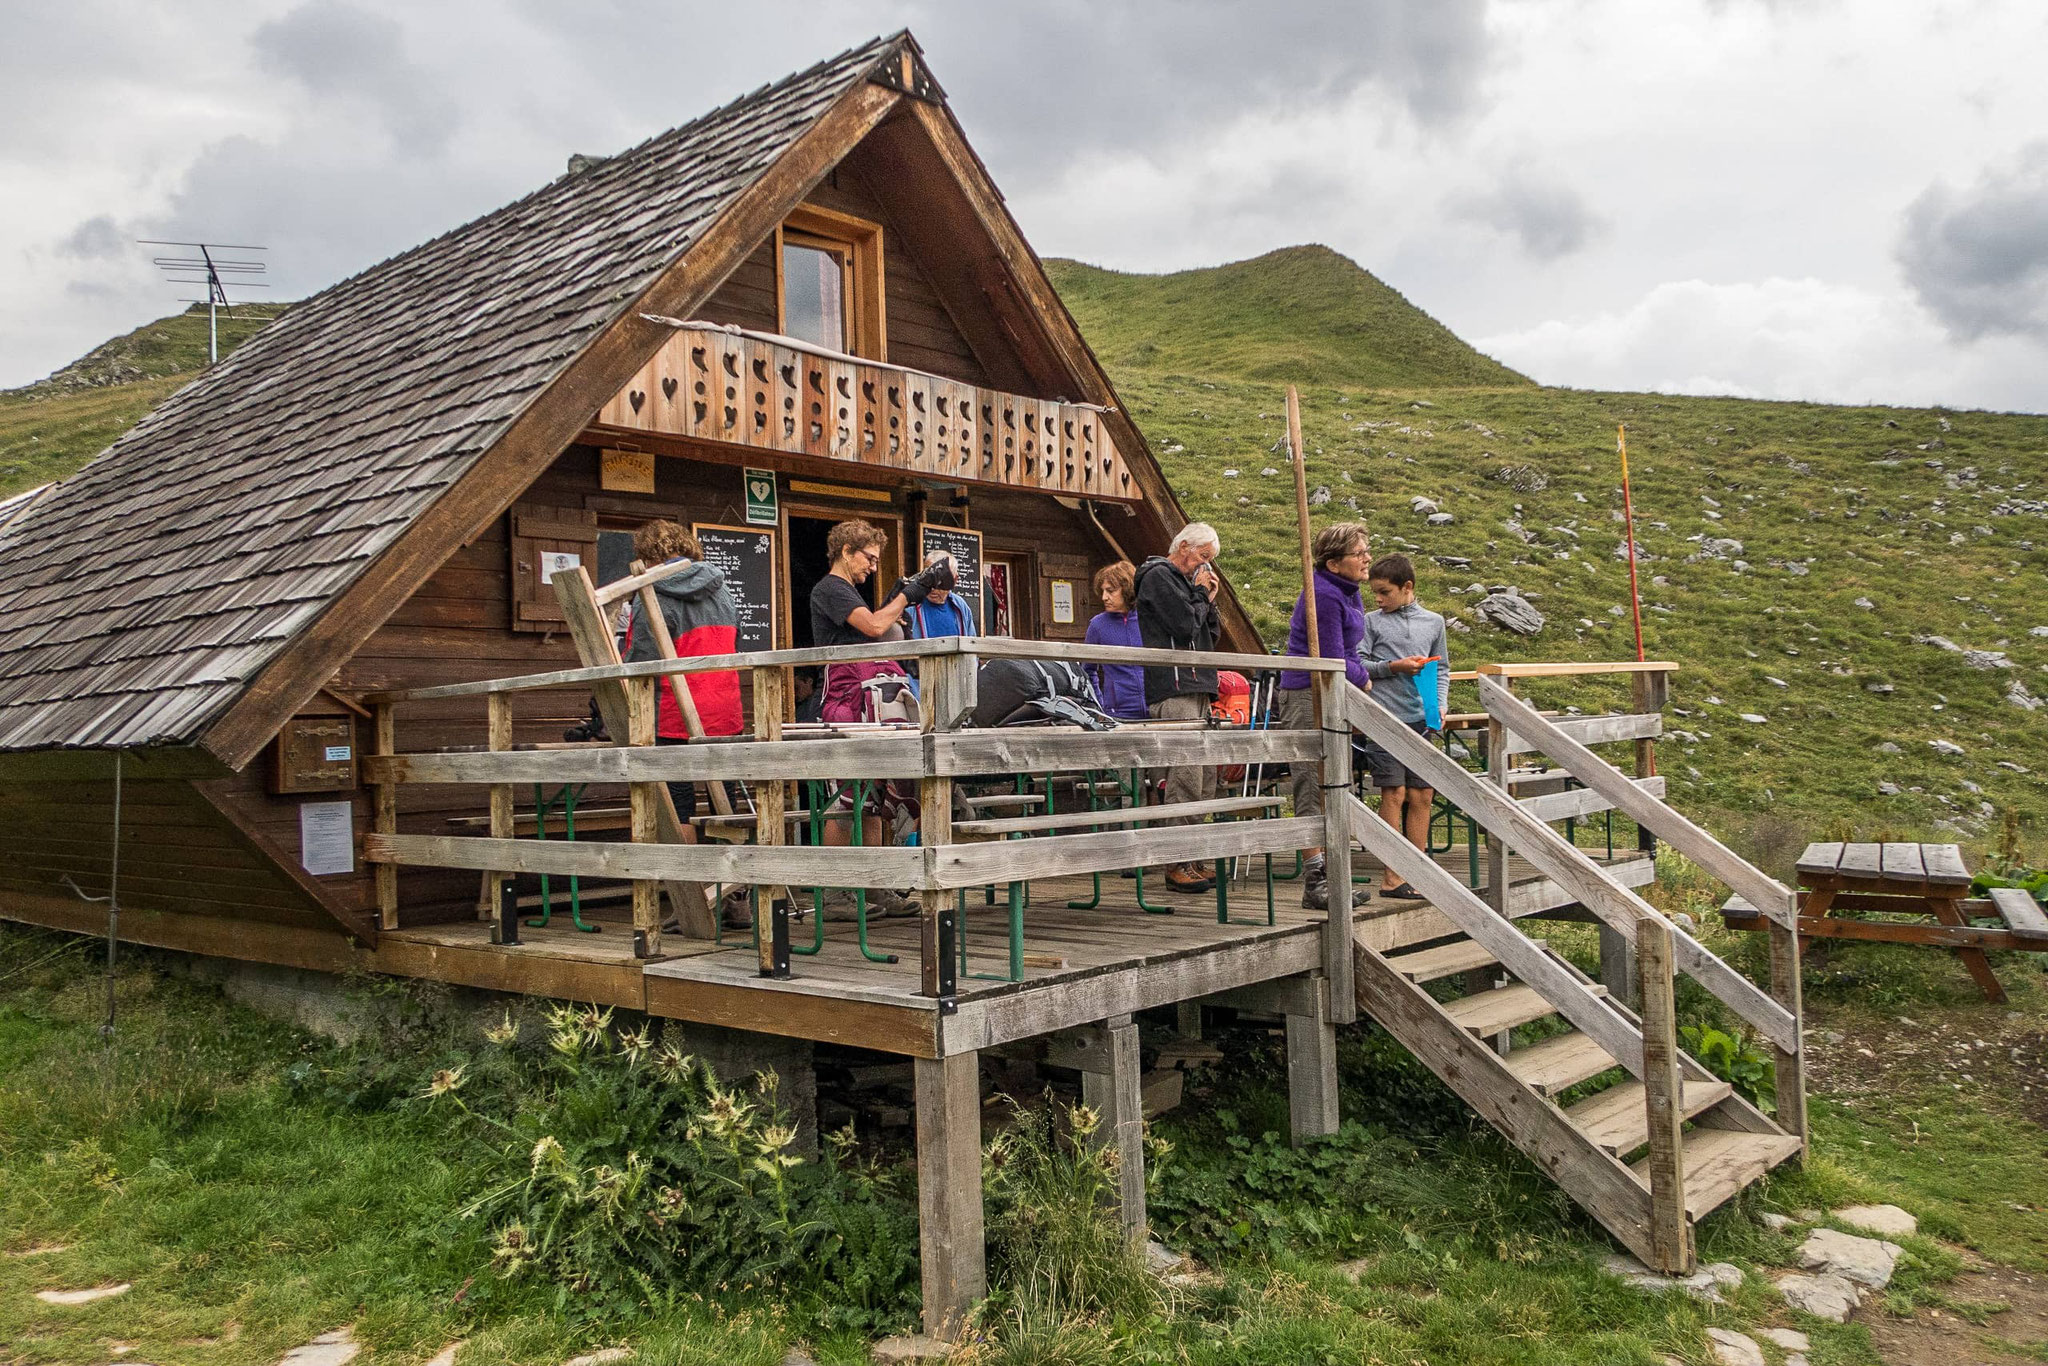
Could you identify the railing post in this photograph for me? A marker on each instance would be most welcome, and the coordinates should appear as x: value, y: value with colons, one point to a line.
x: 769, y: 827
x: 1497, y: 765
x: 947, y: 688
x: 499, y: 728
x: 1670, y: 1234
x: 645, y: 804
x: 1336, y: 766
x: 384, y: 741
x: 1787, y: 990
x: 1649, y: 692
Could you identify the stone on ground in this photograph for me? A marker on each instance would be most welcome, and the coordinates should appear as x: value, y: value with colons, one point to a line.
x: 337, y: 1348
x: 600, y: 1357
x: 1888, y: 1220
x: 1775, y: 1222
x: 1828, y: 1296
x: 1705, y: 1284
x: 1161, y: 1259
x: 1867, y: 1261
x: 1733, y: 1349
x: 1511, y: 612
x: 908, y: 1351
x: 98, y: 1292
x: 1790, y: 1339
x: 797, y: 1356
x: 446, y: 1356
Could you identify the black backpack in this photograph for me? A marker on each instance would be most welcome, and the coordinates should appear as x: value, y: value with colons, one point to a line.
x: 1029, y: 692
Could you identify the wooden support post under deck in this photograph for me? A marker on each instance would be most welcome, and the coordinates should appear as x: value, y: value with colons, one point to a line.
x: 1670, y: 1231
x: 1312, y: 1070
x: 1786, y: 989
x: 1337, y: 945
x: 1117, y: 1097
x: 645, y: 799
x: 947, y: 692
x: 384, y: 740
x: 951, y: 1247
x: 499, y: 728
x: 769, y: 827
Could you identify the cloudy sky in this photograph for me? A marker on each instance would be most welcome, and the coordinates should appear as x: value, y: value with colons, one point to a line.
x: 1782, y: 198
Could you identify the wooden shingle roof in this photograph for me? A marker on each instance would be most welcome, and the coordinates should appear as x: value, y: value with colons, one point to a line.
x: 140, y: 597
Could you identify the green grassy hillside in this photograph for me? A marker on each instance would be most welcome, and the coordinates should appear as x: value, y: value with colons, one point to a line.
x: 51, y: 427
x: 1301, y: 314
x: 1938, y: 521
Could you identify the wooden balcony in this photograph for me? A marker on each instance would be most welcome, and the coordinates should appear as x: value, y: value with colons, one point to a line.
x: 710, y: 383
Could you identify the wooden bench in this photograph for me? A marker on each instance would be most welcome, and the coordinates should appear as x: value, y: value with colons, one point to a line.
x: 1926, y: 880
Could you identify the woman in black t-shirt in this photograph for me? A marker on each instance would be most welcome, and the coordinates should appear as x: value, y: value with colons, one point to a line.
x: 840, y: 614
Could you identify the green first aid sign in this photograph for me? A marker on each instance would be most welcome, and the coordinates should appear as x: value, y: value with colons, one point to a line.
x: 761, y: 506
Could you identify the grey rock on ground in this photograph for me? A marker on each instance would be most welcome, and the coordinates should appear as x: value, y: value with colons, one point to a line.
x: 446, y: 1356
x: 1888, y: 1220
x: 1511, y: 612
x: 1790, y: 1339
x: 1867, y: 1261
x: 1779, y: 1223
x: 1734, y: 1349
x: 1986, y: 659
x: 96, y: 1293
x: 1944, y: 747
x: 1828, y: 1297
x: 1705, y: 1284
x: 1440, y: 519
x: 909, y: 1350
x: 329, y: 1349
x: 796, y: 1356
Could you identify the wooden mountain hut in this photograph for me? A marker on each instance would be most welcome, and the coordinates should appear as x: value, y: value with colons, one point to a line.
x: 298, y: 654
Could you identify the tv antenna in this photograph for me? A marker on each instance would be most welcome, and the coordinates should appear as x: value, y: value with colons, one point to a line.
x: 213, y: 271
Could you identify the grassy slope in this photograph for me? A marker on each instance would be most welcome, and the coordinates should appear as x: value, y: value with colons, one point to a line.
x: 1847, y: 493
x: 50, y: 428
x: 1301, y: 314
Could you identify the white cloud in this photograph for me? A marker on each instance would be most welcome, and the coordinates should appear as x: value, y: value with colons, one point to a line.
x: 1773, y: 338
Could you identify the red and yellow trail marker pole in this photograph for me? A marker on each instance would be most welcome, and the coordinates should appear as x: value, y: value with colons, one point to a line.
x: 1628, y: 527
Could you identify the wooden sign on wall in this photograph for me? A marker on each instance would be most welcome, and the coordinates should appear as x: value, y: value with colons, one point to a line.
x: 621, y: 471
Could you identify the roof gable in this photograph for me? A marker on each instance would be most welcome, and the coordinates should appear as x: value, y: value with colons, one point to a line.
x: 143, y: 594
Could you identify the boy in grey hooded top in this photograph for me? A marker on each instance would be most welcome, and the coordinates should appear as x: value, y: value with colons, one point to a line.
x: 1408, y: 631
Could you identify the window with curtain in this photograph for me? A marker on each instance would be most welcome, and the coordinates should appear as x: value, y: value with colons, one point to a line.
x: 814, y: 280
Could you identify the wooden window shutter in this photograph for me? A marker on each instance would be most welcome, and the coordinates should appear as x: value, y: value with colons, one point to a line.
x: 540, y: 537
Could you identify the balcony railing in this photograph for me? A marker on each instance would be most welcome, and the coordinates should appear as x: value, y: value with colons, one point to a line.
x: 712, y: 383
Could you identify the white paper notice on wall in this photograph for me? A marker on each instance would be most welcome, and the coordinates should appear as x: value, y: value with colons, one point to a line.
x: 553, y: 562
x: 327, y: 837
x: 1063, y: 601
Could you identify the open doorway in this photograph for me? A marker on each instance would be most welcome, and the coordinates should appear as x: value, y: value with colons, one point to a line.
x: 807, y: 564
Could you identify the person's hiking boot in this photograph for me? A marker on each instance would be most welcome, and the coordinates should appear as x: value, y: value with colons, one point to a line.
x: 840, y: 907
x: 1315, y: 887
x: 1187, y: 877
x: 883, y: 903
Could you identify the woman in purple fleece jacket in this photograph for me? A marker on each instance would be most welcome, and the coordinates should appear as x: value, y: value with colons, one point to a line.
x: 1119, y: 687
x: 1342, y: 558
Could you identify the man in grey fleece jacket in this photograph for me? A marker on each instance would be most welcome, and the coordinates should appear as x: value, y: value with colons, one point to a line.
x: 1400, y: 638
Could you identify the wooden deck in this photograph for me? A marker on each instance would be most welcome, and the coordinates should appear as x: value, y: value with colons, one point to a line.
x: 1081, y: 965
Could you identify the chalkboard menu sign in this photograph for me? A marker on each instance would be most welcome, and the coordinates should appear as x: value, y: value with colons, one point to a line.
x: 746, y: 556
x: 965, y: 547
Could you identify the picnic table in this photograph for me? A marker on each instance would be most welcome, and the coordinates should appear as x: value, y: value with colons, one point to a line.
x: 1926, y: 880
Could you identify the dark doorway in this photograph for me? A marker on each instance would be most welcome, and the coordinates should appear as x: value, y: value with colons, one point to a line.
x: 807, y: 564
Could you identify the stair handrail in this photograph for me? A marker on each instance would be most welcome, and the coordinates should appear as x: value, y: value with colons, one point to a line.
x: 1772, y: 898
x: 1616, y: 906
x: 1556, y: 980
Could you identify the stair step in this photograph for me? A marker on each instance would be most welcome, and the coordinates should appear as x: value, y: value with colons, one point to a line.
x: 1559, y: 1063
x: 1489, y: 1012
x: 1445, y: 960
x: 1617, y: 1120
x: 1721, y: 1162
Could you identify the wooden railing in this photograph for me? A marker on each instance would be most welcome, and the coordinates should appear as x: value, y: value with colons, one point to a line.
x: 938, y: 754
x: 722, y: 384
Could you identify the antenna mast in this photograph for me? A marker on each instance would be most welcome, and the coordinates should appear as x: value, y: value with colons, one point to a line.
x: 208, y: 269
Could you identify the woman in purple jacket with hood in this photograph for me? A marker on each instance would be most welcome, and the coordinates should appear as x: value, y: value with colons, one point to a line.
x: 1342, y: 558
x: 1120, y: 688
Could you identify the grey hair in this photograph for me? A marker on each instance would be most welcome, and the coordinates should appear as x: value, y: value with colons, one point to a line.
x: 938, y: 555
x: 1196, y: 535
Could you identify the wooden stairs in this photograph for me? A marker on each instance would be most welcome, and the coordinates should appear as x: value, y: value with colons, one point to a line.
x: 1639, y: 1133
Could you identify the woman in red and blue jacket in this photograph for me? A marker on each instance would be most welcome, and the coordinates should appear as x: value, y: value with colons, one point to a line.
x: 703, y: 619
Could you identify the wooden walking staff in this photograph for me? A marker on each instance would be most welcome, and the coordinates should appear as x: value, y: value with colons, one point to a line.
x: 1308, y: 566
